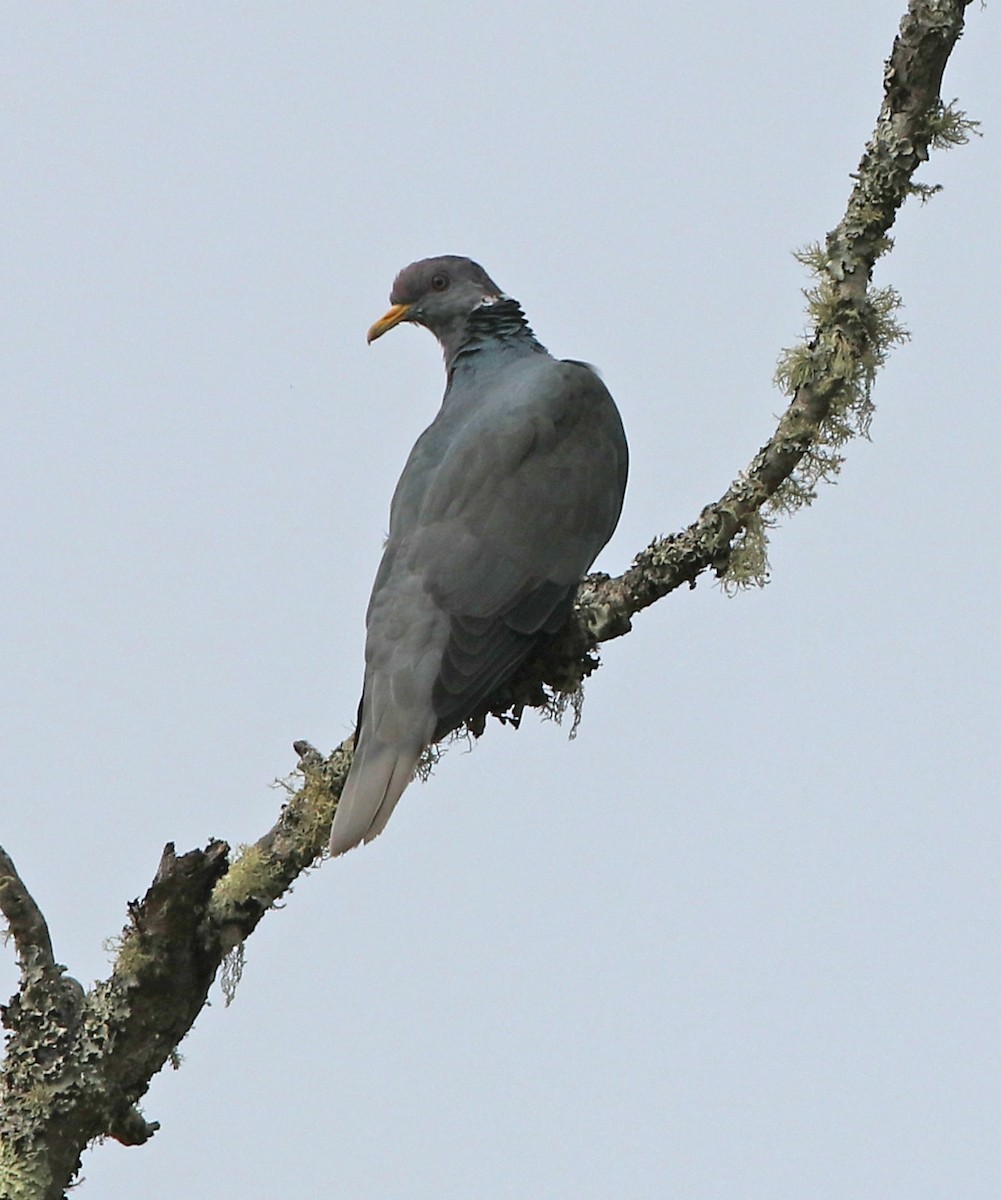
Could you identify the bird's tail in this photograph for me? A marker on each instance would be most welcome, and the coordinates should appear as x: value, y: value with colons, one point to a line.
x: 377, y: 779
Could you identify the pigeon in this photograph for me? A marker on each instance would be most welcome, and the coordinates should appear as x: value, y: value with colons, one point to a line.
x: 504, y: 503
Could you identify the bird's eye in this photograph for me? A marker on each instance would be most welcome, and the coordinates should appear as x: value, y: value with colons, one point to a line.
x: 439, y: 282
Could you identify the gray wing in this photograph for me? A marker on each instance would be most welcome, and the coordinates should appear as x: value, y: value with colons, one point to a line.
x: 541, y: 490
x: 503, y: 506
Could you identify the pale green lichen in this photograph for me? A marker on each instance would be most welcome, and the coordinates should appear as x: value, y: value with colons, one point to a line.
x: 947, y: 126
x: 317, y: 802
x: 55, y: 1061
x: 748, y: 563
x: 314, y: 791
x: 232, y: 971
x: 24, y: 1175
x: 854, y: 329
x: 924, y: 191
x: 251, y: 877
x: 432, y: 754
x: 557, y: 704
x: 130, y: 955
x: 950, y: 126
x: 850, y: 342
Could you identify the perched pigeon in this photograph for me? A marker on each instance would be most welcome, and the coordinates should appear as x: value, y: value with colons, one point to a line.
x: 505, y: 501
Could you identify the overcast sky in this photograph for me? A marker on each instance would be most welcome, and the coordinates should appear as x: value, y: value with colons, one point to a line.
x: 742, y: 937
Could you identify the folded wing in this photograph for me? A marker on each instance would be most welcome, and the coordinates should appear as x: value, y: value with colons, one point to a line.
x: 502, y: 508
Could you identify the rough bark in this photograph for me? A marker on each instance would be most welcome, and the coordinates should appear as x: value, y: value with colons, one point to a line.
x: 77, y: 1062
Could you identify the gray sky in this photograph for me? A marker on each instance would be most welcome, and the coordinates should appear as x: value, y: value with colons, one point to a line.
x: 742, y: 937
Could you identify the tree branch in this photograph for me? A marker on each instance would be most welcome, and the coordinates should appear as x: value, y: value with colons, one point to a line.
x: 25, y: 920
x: 77, y: 1064
x: 829, y: 378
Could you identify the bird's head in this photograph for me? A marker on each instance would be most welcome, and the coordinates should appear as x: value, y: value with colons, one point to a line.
x: 440, y: 294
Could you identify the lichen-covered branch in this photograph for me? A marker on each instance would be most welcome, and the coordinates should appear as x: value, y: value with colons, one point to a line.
x: 78, y: 1063
x: 25, y: 921
x: 828, y: 377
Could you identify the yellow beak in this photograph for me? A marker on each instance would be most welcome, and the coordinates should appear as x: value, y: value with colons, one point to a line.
x: 395, y: 315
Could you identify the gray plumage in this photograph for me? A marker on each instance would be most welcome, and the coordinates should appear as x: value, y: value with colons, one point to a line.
x: 503, y: 505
